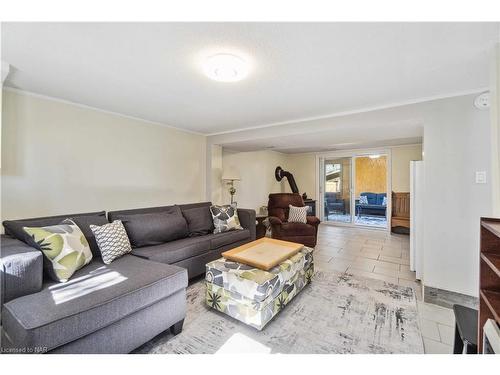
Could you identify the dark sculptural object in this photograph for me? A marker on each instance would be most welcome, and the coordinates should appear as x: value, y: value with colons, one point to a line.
x: 279, y: 173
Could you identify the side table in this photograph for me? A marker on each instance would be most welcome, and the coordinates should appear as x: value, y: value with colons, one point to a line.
x: 260, y: 228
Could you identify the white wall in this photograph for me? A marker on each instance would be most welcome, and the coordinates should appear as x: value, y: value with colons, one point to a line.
x: 456, y: 145
x: 257, y: 176
x: 400, y: 165
x: 5, y: 70
x: 495, y: 128
x: 62, y: 158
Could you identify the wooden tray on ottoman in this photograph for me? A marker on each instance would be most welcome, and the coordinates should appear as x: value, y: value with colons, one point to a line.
x: 264, y: 253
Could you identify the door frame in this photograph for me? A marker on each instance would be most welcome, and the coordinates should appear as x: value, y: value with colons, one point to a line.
x: 320, y: 158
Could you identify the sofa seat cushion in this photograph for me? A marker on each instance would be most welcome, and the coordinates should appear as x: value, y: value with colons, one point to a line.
x: 98, y: 295
x: 175, y: 251
x: 226, y: 238
x: 298, y: 229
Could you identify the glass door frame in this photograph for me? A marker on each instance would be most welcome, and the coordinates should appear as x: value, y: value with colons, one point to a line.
x: 322, y: 187
x: 320, y: 184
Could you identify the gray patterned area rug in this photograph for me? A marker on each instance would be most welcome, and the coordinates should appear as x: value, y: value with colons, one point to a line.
x: 336, y: 313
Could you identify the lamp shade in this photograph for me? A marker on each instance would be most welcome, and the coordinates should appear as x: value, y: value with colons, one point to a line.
x: 230, y: 174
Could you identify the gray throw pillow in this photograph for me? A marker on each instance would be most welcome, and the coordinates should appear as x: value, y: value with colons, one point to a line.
x: 199, y: 221
x: 363, y: 199
x: 225, y: 218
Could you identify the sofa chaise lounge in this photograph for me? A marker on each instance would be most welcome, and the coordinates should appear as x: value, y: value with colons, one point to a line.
x: 111, y: 308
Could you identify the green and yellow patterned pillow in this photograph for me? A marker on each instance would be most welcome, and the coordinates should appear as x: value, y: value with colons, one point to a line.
x: 65, y: 248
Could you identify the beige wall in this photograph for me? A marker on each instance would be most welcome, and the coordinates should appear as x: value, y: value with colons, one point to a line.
x: 401, y: 157
x: 64, y: 158
x: 256, y: 170
x: 303, y: 168
x: 257, y: 173
x: 215, y: 182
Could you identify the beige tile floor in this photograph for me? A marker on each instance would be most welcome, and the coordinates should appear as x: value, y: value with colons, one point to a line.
x: 383, y: 256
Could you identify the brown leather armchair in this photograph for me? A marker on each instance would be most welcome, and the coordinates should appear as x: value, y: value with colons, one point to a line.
x: 281, y: 229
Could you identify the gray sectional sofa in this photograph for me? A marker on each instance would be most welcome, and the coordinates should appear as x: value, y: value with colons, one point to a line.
x: 111, y: 308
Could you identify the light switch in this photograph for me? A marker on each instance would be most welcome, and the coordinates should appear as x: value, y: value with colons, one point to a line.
x: 480, y: 177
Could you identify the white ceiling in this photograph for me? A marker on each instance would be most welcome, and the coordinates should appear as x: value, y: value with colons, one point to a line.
x: 300, y: 70
x: 295, y: 144
x: 394, y: 126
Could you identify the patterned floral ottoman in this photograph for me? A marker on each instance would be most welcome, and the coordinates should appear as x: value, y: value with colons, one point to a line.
x: 254, y: 296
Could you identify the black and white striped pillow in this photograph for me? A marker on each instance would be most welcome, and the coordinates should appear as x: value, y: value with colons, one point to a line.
x: 297, y: 214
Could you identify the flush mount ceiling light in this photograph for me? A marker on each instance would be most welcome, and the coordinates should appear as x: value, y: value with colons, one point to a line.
x: 376, y: 156
x: 225, y: 67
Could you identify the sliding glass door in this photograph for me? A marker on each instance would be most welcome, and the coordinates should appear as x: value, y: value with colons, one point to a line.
x: 354, y: 189
x: 370, y: 190
x: 337, y: 190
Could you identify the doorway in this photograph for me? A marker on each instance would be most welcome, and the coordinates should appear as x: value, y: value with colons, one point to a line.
x: 354, y: 188
x: 337, y: 190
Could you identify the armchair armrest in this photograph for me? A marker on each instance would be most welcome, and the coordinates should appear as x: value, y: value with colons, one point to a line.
x: 247, y: 220
x: 21, y: 269
x: 275, y: 223
x: 273, y: 220
x: 312, y: 220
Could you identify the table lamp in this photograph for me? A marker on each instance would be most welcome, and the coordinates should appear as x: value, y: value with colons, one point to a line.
x: 229, y: 176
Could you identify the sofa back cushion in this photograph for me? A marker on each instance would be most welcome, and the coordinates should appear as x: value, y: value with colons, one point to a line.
x: 375, y: 198
x: 199, y: 220
x: 380, y: 198
x: 188, y: 206
x: 14, y: 228
x: 148, y: 227
x: 371, y: 197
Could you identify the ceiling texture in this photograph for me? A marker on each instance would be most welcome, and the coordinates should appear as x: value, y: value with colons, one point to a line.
x: 298, y: 71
